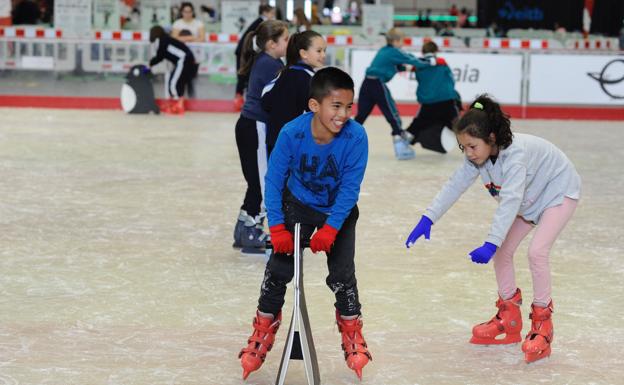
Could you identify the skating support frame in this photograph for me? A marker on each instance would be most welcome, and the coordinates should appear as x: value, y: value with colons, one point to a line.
x: 299, y: 344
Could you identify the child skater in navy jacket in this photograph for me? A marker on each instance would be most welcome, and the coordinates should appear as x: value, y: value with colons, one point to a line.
x: 314, y: 178
x: 286, y: 97
x: 261, y: 59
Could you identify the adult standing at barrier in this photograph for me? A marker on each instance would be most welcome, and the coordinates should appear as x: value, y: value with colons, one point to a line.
x: 187, y: 28
x: 266, y: 12
x: 184, y: 67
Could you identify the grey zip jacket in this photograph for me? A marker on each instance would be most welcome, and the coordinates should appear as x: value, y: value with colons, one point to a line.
x: 528, y: 177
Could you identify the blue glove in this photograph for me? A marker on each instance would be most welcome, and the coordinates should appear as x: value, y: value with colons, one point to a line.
x: 422, y: 228
x: 484, y: 253
x: 146, y: 70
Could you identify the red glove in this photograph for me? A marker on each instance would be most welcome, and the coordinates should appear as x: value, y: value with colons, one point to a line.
x: 440, y: 61
x: 282, y: 239
x: 323, y: 239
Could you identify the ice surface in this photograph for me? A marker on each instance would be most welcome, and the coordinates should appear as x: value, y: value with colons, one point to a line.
x: 116, y: 264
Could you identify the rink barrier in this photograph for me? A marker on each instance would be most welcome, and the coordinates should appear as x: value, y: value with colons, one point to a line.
x: 33, y: 48
x: 607, y: 44
x: 522, y: 44
x: 441, y: 42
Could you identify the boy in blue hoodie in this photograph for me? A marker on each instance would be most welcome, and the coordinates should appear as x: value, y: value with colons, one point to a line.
x: 389, y: 60
x: 439, y: 102
x: 313, y: 178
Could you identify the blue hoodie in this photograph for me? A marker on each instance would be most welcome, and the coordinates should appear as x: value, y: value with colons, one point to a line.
x: 325, y: 177
x: 389, y: 60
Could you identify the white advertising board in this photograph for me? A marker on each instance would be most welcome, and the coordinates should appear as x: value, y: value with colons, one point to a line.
x: 237, y: 15
x: 73, y: 17
x: 475, y: 73
x: 576, y: 79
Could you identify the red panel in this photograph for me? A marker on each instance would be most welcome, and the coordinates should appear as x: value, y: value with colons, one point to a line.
x: 405, y: 109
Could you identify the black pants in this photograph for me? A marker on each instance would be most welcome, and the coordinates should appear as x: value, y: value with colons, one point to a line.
x: 249, y: 137
x: 433, y: 117
x: 180, y: 78
x: 340, y: 261
x: 375, y: 92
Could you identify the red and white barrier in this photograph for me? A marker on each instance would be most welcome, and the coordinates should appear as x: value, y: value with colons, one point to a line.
x: 30, y: 33
x: 222, y: 37
x: 339, y: 39
x: 502, y: 43
x: 609, y: 44
x: 122, y: 35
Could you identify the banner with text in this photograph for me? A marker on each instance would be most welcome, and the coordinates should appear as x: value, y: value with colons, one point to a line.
x: 475, y: 73
x: 576, y: 79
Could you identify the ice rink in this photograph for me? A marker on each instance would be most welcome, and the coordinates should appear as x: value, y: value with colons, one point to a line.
x: 116, y: 264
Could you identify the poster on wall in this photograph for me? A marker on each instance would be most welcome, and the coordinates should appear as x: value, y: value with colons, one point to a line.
x: 5, y: 12
x: 474, y: 74
x: 587, y: 79
x: 73, y: 17
x: 155, y: 12
x: 377, y: 19
x: 236, y: 16
x: 106, y: 15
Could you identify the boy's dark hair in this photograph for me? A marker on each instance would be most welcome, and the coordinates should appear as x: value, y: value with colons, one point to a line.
x: 429, y: 47
x: 266, y: 31
x: 297, y: 41
x: 327, y: 80
x: 156, y: 32
x: 483, y: 118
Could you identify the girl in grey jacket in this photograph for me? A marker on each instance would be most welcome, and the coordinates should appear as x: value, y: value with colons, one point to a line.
x: 536, y: 185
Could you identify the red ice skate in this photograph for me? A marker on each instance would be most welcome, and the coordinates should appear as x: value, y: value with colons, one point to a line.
x: 177, y: 107
x: 353, y: 343
x: 260, y: 343
x: 507, y: 321
x: 536, y: 345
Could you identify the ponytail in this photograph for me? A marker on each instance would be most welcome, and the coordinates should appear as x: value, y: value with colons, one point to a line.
x: 485, y: 117
x: 299, y: 41
x: 256, y: 42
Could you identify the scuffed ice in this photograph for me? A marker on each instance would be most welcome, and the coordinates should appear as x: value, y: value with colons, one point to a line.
x: 116, y: 264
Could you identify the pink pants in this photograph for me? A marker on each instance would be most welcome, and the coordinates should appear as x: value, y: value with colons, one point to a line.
x: 551, y: 223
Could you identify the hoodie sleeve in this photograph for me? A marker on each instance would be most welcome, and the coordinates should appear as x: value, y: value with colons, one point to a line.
x: 457, y: 184
x: 160, y: 53
x: 275, y: 179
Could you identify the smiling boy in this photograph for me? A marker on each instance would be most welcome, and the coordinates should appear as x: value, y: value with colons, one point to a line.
x: 313, y: 178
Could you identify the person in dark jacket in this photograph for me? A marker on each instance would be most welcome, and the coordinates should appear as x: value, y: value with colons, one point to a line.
x: 184, y: 69
x: 266, y: 12
x: 286, y: 97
